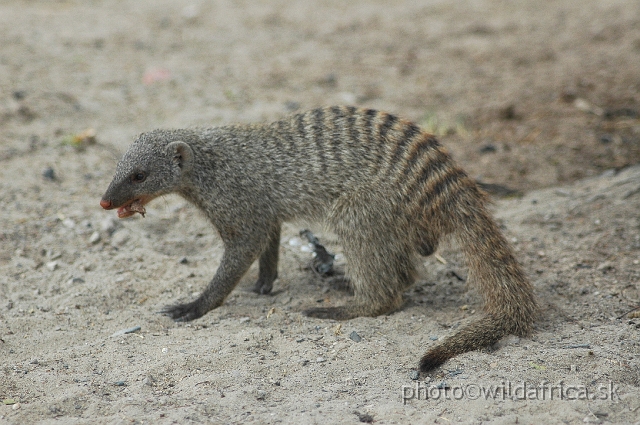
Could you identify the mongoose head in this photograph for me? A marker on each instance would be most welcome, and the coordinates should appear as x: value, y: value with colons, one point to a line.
x: 154, y: 165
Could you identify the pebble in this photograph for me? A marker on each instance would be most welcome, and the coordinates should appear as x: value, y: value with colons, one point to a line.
x: 261, y: 394
x: 67, y: 222
x: 49, y: 174
x: 295, y: 241
x: 414, y: 375
x: 16, y: 406
x: 120, y: 237
x: 190, y: 12
x: 320, y: 360
x: 488, y: 149
x: 605, y: 266
x: 52, y: 265
x: 127, y: 331
x: 95, y: 237
x: 355, y: 337
x: 433, y: 338
x: 563, y: 192
x: 109, y: 225
x: 120, y: 383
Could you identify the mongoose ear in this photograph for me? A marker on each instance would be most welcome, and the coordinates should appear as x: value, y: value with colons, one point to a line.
x: 181, y: 154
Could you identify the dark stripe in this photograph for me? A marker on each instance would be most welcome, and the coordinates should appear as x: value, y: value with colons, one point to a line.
x: 318, y: 135
x: 433, y: 167
x: 435, y: 164
x: 386, y: 125
x: 450, y: 178
x: 369, y: 116
x: 417, y: 151
x: 337, y: 121
x: 409, y: 131
x: 440, y: 192
x: 301, y: 127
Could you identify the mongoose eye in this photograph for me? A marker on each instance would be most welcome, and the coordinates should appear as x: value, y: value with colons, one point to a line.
x: 138, y: 177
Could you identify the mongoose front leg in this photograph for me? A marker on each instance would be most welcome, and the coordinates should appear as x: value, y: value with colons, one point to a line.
x: 268, y: 265
x: 236, y: 260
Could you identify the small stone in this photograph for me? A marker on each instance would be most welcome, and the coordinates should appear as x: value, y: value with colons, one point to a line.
x: 183, y: 260
x: 320, y: 360
x: 120, y: 237
x: 165, y: 350
x: 605, y: 266
x: 355, y: 337
x: 488, y: 149
x: 414, y: 375
x: 16, y: 406
x: 120, y: 383
x: 433, y: 338
x: 69, y: 223
x: 49, y: 174
x: 109, y: 225
x: 509, y: 112
x: 95, y: 238
x: 261, y: 395
x: 127, y: 331
x: 52, y: 265
x: 364, y: 417
x: 190, y: 12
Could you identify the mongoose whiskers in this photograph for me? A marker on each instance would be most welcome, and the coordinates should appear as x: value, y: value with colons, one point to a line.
x: 388, y: 190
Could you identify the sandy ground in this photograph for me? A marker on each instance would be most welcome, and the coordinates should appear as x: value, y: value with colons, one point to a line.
x: 540, y: 97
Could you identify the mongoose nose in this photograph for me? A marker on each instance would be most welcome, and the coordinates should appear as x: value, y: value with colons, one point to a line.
x: 106, y: 204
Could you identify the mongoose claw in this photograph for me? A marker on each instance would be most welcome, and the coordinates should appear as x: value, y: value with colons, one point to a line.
x: 335, y: 313
x: 262, y: 288
x: 183, y: 312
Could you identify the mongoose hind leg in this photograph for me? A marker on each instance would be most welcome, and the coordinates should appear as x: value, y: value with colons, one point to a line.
x: 380, y: 271
x: 268, y: 265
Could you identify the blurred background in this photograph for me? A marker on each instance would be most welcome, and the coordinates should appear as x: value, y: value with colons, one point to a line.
x: 523, y: 92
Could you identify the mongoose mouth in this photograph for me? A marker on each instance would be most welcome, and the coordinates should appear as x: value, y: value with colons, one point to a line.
x: 129, y: 209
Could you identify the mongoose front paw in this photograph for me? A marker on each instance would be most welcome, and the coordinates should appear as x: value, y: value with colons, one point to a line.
x: 335, y: 313
x: 183, y: 312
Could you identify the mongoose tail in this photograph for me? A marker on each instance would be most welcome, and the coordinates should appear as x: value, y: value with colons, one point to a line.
x: 509, y: 303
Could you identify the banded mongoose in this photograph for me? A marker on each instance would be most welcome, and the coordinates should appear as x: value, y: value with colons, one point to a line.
x: 387, y: 189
